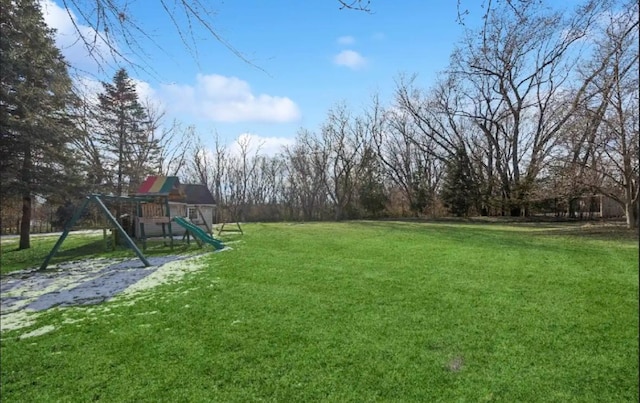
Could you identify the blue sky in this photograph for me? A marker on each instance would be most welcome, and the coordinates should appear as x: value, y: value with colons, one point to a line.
x: 310, y: 55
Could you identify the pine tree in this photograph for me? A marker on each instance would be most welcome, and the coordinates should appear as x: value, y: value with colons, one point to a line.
x: 126, y: 133
x: 422, y: 194
x: 371, y: 189
x: 34, y: 96
x: 459, y: 190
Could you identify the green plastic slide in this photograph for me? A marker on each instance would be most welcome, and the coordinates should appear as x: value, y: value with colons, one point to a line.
x: 198, y: 232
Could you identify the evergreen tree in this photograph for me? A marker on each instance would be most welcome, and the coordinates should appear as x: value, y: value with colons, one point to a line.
x: 126, y: 134
x: 422, y: 194
x: 34, y: 96
x: 459, y: 190
x: 371, y: 189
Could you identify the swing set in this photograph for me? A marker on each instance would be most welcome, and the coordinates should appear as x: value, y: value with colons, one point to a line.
x: 98, y: 201
x: 152, y: 209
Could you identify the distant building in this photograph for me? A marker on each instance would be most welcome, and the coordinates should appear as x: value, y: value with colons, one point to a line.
x: 609, y: 208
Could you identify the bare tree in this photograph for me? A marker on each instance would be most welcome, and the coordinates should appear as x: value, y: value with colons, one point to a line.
x: 266, y: 189
x: 306, y: 163
x: 207, y: 166
x: 518, y: 66
x: 410, y: 164
x: 342, y: 137
x: 361, y: 5
x: 240, y: 170
x: 608, y: 148
x: 486, y: 7
x: 175, y: 142
x: 433, y: 114
x: 119, y: 31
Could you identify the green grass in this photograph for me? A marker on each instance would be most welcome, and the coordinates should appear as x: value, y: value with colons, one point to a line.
x: 362, y: 311
x: 76, y: 246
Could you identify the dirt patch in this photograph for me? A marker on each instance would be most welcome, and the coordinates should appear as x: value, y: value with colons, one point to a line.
x: 455, y: 364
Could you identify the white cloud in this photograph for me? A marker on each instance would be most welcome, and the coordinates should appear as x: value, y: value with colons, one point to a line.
x: 146, y: 92
x: 346, y: 40
x: 228, y: 99
x: 350, y: 59
x: 88, y: 88
x: 263, y: 145
x: 56, y: 17
x: 68, y: 38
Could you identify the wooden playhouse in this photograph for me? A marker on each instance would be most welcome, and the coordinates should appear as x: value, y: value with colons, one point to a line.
x: 169, y: 199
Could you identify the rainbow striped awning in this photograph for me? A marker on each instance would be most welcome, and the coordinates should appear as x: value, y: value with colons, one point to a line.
x: 160, y: 185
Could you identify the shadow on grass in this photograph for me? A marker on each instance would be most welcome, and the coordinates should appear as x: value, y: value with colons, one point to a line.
x: 154, y: 248
x: 596, y: 232
x: 74, y: 249
x: 92, y: 248
x: 601, y: 231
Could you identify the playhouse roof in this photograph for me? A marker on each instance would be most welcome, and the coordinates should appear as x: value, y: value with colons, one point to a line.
x: 161, y: 186
x: 198, y: 194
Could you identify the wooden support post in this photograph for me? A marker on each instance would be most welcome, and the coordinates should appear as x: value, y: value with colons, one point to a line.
x: 140, y: 226
x: 221, y: 230
x: 204, y: 220
x: 168, y: 209
x: 143, y: 236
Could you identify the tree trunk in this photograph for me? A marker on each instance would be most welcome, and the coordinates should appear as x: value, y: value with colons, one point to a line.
x: 338, y: 212
x: 631, y: 213
x: 25, y: 223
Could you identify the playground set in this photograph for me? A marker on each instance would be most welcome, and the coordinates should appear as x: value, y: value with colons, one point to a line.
x: 159, y: 202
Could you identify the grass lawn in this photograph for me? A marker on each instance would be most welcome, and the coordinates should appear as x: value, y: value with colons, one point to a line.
x: 359, y: 311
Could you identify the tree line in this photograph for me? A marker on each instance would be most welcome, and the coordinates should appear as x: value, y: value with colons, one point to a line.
x: 537, y: 109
